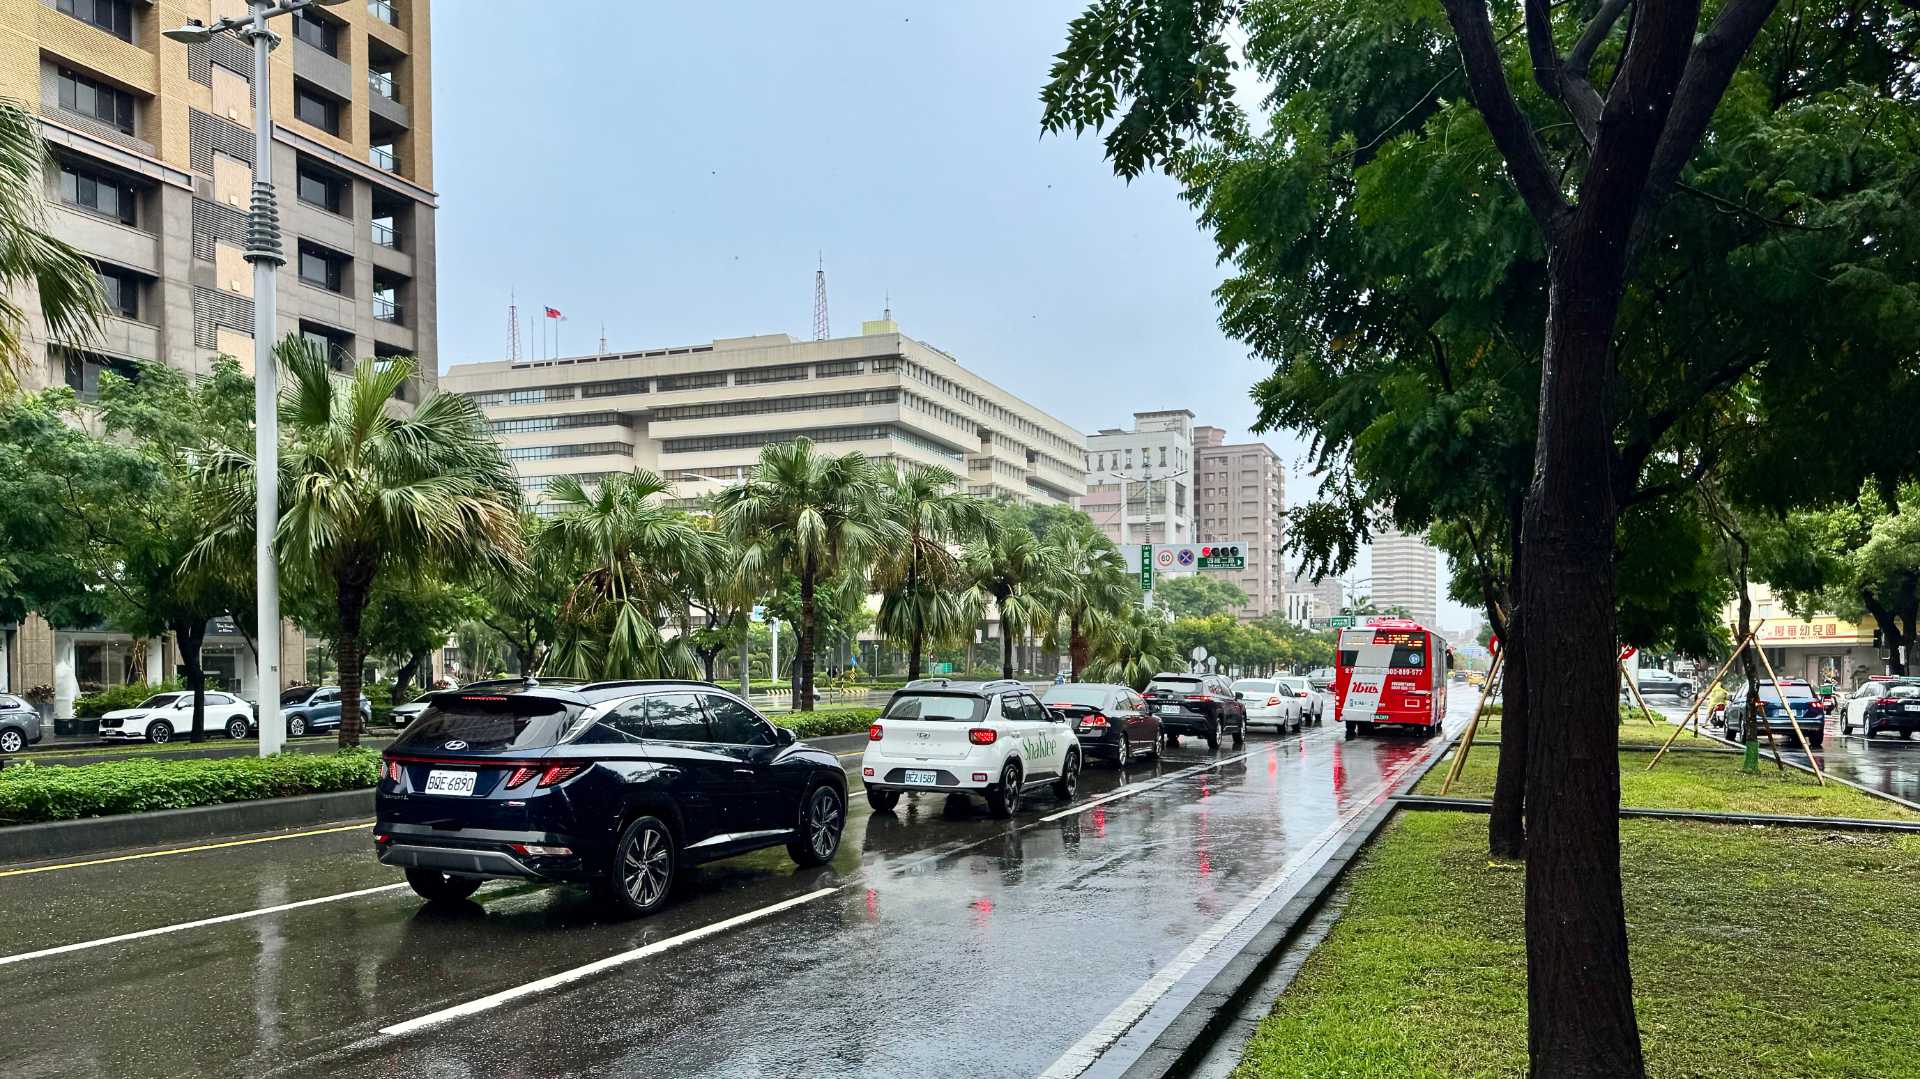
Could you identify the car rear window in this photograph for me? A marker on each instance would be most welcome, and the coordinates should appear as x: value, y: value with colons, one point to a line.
x: 1253, y: 685
x: 937, y: 706
x: 1084, y: 693
x: 1800, y: 692
x: 1298, y: 685
x: 1174, y: 685
x: 488, y: 723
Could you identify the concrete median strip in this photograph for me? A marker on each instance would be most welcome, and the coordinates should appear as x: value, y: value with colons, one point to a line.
x: 121, y: 938
x: 567, y: 977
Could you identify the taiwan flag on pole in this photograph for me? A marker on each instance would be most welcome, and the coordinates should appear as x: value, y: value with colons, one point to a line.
x: 554, y: 312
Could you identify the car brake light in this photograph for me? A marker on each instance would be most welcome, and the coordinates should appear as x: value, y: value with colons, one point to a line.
x: 1271, y: 701
x: 875, y: 732
x: 560, y: 773
x: 1888, y: 700
x: 868, y: 772
x: 1198, y: 697
x: 979, y: 777
x: 393, y: 771
x: 1094, y: 720
x: 983, y: 736
x: 521, y: 775
x: 378, y: 838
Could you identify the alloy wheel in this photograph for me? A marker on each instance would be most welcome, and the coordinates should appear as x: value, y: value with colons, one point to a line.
x: 644, y: 867
x: 12, y: 742
x: 823, y: 819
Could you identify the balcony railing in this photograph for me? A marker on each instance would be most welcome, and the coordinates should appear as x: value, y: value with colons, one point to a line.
x: 385, y: 236
x: 382, y: 10
x: 381, y: 82
x: 382, y: 158
x: 386, y: 310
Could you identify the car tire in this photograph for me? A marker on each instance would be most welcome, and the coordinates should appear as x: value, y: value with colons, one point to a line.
x: 640, y: 875
x: 159, y: 732
x: 882, y: 801
x: 1213, y: 737
x: 12, y: 741
x: 1005, y: 802
x: 1353, y: 729
x: 1123, y: 756
x: 1240, y: 734
x: 296, y: 725
x: 236, y: 728
x: 823, y: 814
x: 437, y: 887
x: 1173, y: 741
x: 1068, y: 784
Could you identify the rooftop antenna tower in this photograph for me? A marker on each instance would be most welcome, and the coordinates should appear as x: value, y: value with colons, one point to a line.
x: 820, y: 332
x: 603, y: 339
x: 513, y: 329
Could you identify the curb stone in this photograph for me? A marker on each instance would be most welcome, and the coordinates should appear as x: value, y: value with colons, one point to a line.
x: 61, y: 839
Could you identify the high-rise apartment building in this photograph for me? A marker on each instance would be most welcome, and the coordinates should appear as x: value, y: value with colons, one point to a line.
x: 1308, y: 599
x: 153, y: 166
x: 1406, y: 574
x: 699, y: 414
x: 1240, y: 490
x: 1154, y: 462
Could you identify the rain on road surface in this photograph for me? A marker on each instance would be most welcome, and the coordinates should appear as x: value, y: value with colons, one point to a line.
x: 937, y: 943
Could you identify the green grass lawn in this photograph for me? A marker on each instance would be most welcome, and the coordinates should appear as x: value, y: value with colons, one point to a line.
x: 1424, y: 973
x: 1705, y: 781
x: 1636, y: 731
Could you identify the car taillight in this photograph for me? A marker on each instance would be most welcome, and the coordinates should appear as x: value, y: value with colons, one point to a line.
x: 1198, y: 697
x: 875, y: 732
x: 521, y: 774
x: 1888, y: 700
x: 560, y: 773
x: 1094, y: 720
x: 393, y: 771
x: 541, y: 850
x: 1271, y: 701
x: 983, y: 736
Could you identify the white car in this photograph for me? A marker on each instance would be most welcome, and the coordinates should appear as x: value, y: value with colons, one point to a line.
x: 163, y: 716
x: 991, y: 740
x: 1319, y: 699
x: 1853, y: 706
x: 1271, y: 700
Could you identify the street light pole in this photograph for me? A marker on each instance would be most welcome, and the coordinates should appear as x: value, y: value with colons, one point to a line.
x: 263, y: 251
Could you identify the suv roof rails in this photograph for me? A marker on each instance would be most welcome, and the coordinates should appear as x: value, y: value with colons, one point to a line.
x: 1003, y: 683
x: 530, y: 680
x: 619, y: 683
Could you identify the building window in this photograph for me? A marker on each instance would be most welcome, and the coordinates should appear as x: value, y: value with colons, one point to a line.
x: 618, y: 387
x: 554, y: 423
x: 320, y: 189
x: 756, y: 375
x: 98, y: 193
x: 82, y: 370
x: 82, y: 95
x: 113, y: 16
x: 579, y: 449
x: 837, y: 368
x: 698, y: 380
x: 384, y: 233
x: 311, y: 108
x: 335, y: 345
x: 322, y: 268
x: 386, y: 304
x: 381, y: 83
x: 382, y: 157
x: 322, y: 34
x: 123, y: 291
x: 383, y: 10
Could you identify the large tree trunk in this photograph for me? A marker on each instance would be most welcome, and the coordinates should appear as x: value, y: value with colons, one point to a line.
x: 188, y: 637
x: 405, y: 675
x: 354, y: 587
x: 917, y: 635
x: 803, y: 690
x: 1506, y: 826
x: 1079, y: 649
x: 1579, y: 987
x: 1006, y: 640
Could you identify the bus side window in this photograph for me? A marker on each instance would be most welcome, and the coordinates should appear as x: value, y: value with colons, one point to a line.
x: 1449, y: 659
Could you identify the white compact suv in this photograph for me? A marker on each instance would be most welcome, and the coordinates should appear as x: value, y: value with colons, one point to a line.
x: 991, y: 740
x: 162, y: 716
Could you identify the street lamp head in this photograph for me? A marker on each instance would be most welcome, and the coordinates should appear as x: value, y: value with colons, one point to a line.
x: 195, y: 31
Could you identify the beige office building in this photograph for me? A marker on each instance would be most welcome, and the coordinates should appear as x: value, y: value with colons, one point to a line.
x: 1406, y: 574
x: 699, y: 414
x: 153, y: 165
x: 1240, y: 491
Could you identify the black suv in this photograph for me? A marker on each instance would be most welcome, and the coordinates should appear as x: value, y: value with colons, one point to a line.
x: 1197, y: 704
x: 1798, y: 709
x: 613, y: 784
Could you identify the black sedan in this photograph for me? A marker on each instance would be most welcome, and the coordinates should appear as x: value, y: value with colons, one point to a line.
x: 1111, y: 720
x: 1197, y: 704
x: 618, y: 785
x: 1897, y: 711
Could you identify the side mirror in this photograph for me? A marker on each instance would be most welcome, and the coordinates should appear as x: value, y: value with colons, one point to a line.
x: 784, y: 736
x: 1239, y: 696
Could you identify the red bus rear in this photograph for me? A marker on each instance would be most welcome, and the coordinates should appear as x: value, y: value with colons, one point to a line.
x: 1391, y: 672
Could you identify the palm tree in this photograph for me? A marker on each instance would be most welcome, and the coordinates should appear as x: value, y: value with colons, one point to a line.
x: 31, y: 261
x: 919, y: 581
x: 1131, y: 648
x: 1025, y: 578
x: 368, y: 489
x: 635, y: 557
x: 1095, y: 585
x: 811, y: 516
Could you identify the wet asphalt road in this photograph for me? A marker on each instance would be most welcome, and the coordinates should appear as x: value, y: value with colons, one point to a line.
x: 1887, y: 764
x: 939, y: 942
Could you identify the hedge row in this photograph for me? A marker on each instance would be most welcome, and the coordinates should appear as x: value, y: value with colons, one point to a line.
x: 31, y: 793
x: 826, y: 721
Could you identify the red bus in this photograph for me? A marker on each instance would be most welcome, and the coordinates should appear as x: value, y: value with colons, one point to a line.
x: 1391, y: 672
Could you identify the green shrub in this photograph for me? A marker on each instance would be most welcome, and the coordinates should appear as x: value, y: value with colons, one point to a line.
x: 30, y: 793
x: 826, y: 721
x: 114, y: 698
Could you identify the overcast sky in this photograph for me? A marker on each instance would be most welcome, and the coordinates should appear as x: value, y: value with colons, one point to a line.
x: 673, y: 171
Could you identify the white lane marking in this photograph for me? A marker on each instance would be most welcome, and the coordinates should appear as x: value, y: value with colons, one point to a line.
x: 1097, y: 1041
x: 199, y: 924
x: 554, y: 981
x: 1132, y: 789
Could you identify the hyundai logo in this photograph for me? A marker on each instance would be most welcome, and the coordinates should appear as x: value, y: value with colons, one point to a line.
x: 456, y: 744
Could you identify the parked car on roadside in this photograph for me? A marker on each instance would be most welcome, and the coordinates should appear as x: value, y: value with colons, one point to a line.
x: 404, y: 714
x: 1202, y: 705
x: 1853, y: 707
x: 992, y: 740
x: 1111, y: 720
x: 19, y: 723
x: 1784, y: 707
x: 164, y: 716
x: 618, y: 785
x: 1654, y: 682
x: 312, y: 709
x: 1897, y: 712
x: 1270, y: 700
